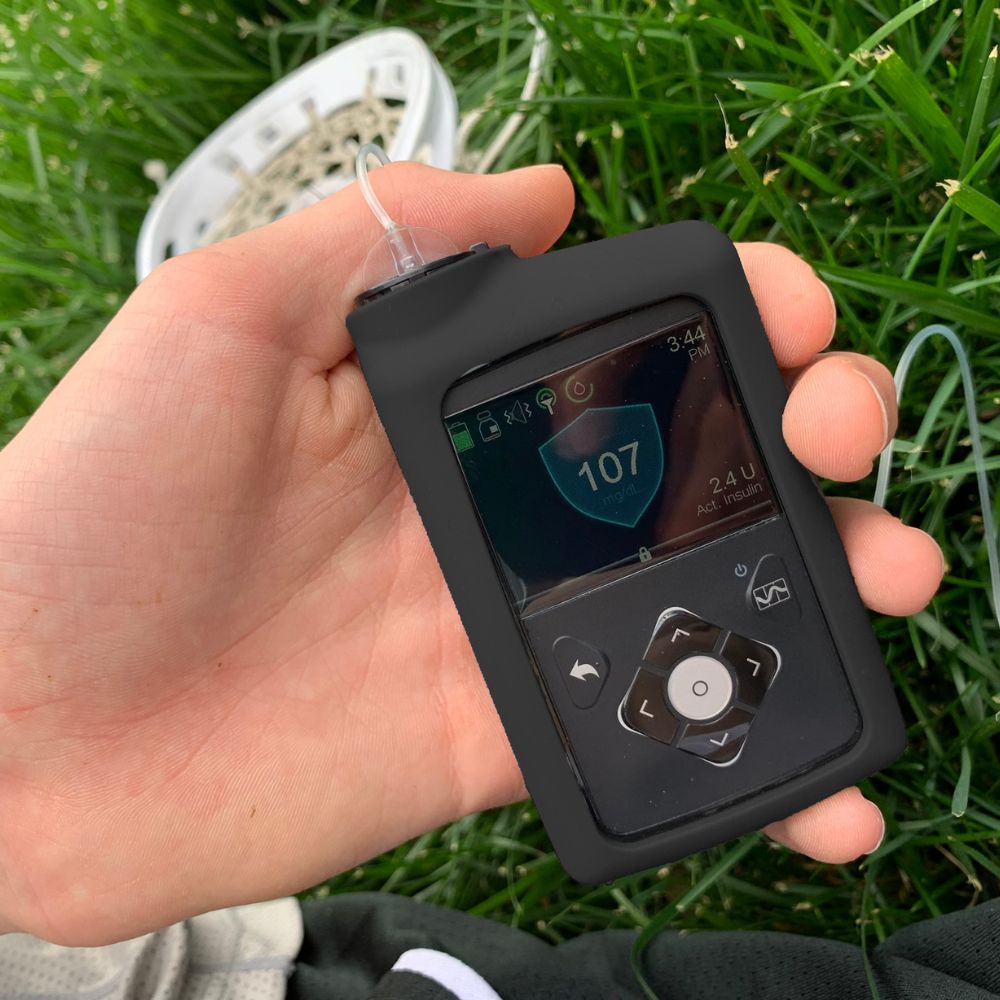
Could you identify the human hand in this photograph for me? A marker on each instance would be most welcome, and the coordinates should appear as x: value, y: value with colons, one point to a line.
x: 229, y: 665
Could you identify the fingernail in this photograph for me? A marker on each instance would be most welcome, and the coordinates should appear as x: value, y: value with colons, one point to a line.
x: 881, y: 839
x: 882, y: 408
x: 542, y: 166
x: 833, y: 313
x: 944, y: 561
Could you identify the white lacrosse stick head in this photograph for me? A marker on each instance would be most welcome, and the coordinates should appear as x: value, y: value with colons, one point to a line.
x: 297, y: 142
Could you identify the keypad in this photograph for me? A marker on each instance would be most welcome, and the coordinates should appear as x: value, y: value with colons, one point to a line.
x: 700, y: 686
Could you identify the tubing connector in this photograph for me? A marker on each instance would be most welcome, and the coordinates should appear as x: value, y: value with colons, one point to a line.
x: 404, y: 251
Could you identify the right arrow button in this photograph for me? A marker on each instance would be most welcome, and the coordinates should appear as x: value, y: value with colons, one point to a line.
x: 754, y: 664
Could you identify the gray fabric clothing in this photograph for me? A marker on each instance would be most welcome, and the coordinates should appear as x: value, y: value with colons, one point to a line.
x: 246, y: 952
x: 353, y: 941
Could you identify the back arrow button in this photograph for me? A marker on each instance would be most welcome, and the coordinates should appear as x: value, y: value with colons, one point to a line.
x: 583, y: 669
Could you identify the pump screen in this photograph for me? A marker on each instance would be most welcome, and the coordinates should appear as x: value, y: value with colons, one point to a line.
x: 597, y: 470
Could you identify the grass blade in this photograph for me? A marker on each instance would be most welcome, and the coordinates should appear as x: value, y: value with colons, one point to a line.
x: 890, y: 26
x: 813, y: 174
x: 981, y: 207
x: 968, y: 157
x: 813, y: 46
x: 911, y: 95
x: 960, y: 799
x: 979, y: 113
x: 759, y: 187
x: 974, y: 61
x: 662, y: 920
x: 917, y: 294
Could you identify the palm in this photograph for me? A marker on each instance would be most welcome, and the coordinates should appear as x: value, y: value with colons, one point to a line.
x: 272, y: 587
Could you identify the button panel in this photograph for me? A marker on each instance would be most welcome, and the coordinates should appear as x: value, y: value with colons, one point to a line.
x: 635, y: 783
x: 700, y: 686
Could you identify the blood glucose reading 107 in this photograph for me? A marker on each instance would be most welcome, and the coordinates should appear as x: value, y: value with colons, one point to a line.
x: 630, y: 457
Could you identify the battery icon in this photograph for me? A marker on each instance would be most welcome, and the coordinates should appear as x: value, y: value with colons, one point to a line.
x: 461, y: 437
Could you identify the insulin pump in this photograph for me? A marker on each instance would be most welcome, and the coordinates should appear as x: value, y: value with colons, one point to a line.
x: 652, y: 585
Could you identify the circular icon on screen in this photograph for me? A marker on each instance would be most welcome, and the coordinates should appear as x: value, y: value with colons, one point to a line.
x: 578, y: 391
x: 546, y: 398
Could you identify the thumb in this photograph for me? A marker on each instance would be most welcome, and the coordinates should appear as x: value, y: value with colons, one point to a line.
x: 835, y: 831
x: 296, y: 279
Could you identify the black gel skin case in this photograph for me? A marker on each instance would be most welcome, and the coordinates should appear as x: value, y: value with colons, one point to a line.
x: 603, y: 683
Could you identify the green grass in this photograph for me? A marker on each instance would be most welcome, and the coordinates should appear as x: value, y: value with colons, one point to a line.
x: 840, y: 145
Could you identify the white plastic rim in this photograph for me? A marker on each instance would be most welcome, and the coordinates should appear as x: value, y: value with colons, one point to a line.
x: 393, y: 62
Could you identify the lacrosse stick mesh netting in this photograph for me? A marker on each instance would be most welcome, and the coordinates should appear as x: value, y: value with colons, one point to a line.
x: 318, y: 162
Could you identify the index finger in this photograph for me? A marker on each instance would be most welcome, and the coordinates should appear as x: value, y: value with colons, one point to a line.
x: 796, y: 306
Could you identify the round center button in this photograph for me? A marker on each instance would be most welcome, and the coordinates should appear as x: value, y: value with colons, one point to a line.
x: 700, y: 687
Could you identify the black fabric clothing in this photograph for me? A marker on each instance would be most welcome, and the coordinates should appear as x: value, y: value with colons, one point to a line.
x: 352, y: 941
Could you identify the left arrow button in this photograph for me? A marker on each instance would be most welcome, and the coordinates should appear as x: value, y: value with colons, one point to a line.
x: 583, y: 668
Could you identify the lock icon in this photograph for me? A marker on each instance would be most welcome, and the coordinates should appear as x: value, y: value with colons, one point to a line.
x: 644, y: 554
x: 489, y: 429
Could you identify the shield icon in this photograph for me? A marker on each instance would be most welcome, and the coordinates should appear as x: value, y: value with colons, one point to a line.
x: 608, y: 463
